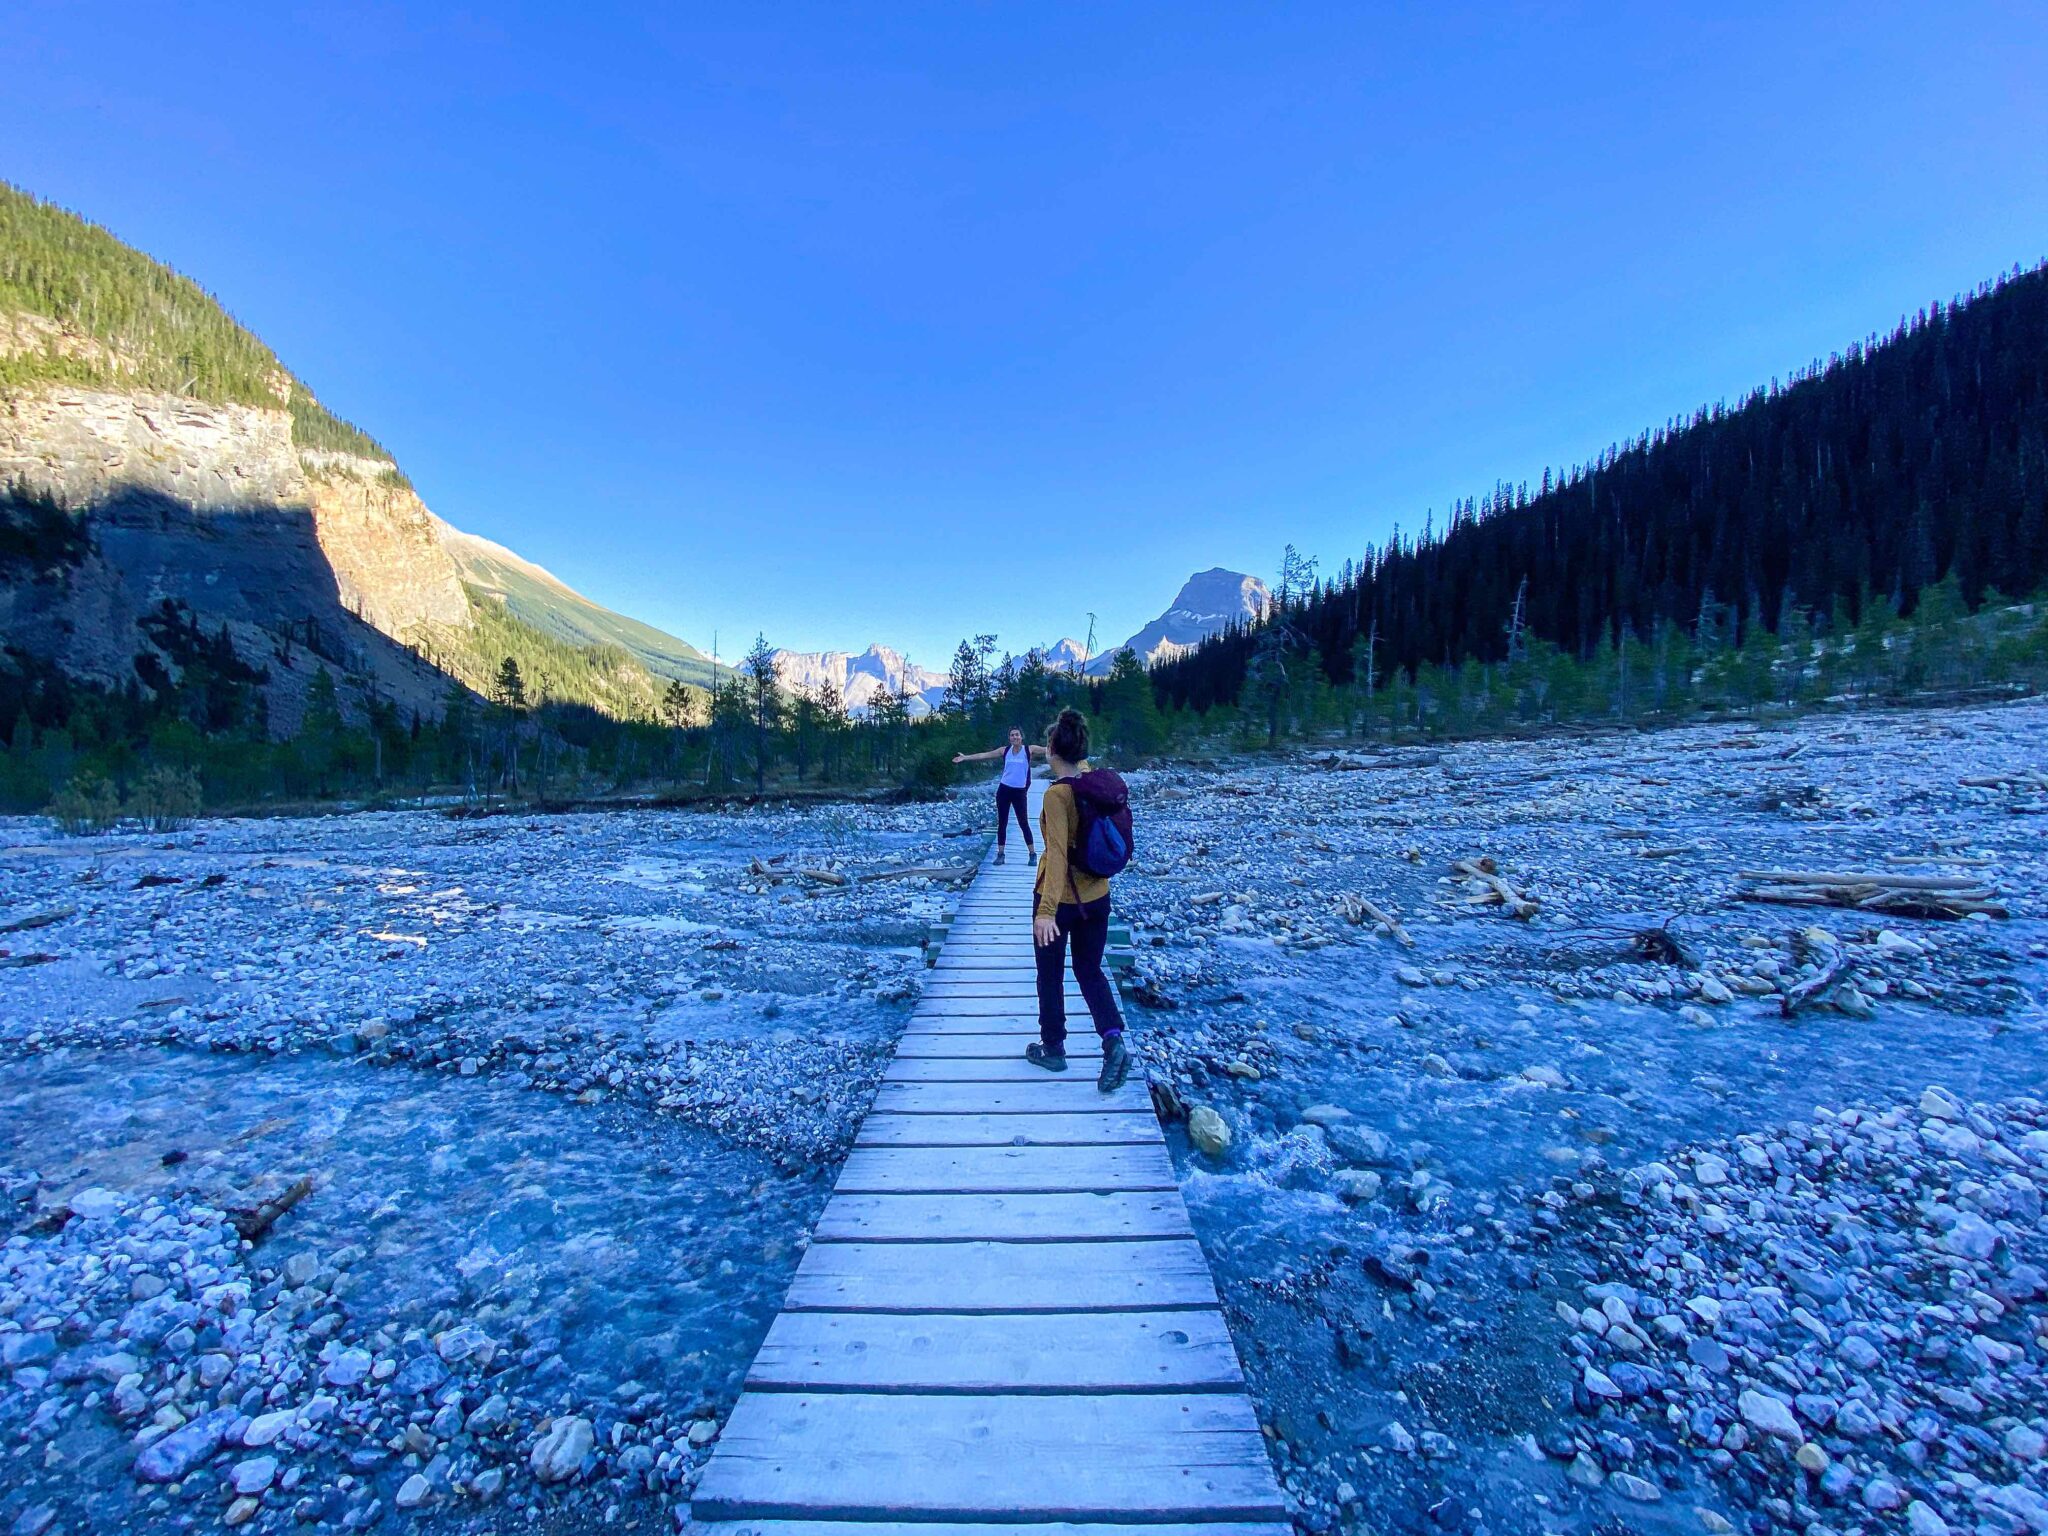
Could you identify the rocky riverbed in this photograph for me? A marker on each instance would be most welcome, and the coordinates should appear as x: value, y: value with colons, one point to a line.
x: 417, y: 1169
x: 408, y: 1171
x: 1547, y: 1223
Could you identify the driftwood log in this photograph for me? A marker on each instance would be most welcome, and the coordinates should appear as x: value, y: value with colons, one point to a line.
x: 926, y: 871
x: 42, y: 919
x: 1493, y: 890
x: 1888, y: 891
x: 1358, y: 911
x: 1815, y: 988
x: 252, y: 1221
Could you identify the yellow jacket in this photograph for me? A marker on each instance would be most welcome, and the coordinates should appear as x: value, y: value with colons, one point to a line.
x: 1059, y: 881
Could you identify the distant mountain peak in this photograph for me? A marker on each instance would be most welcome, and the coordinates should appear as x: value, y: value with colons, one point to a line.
x: 1208, y: 602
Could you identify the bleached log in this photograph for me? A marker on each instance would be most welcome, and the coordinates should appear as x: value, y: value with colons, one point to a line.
x: 1834, y: 963
x: 823, y: 876
x: 1897, y: 882
x: 927, y: 871
x: 1498, y: 892
x: 42, y: 919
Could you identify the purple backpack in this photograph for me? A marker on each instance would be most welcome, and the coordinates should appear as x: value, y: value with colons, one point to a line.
x: 1102, y: 841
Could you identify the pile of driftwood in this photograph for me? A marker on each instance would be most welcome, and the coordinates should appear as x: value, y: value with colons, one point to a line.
x: 773, y: 870
x: 1488, y: 888
x: 1344, y: 762
x: 774, y: 873
x: 1891, y: 892
x: 2030, y: 781
x: 1358, y: 911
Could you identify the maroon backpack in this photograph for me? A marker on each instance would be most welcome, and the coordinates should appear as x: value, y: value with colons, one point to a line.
x: 1102, y: 840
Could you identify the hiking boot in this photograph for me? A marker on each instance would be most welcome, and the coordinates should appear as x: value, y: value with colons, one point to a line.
x: 1116, y: 1065
x: 1039, y: 1055
x: 999, y: 855
x: 1031, y: 856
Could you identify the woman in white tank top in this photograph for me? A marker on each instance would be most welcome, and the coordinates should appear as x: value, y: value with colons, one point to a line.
x: 1012, y: 789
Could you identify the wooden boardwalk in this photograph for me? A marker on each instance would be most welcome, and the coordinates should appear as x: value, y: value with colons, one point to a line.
x: 1003, y: 1322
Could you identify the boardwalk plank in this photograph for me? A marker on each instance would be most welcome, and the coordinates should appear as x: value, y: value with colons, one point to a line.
x: 979, y: 1528
x: 1003, y: 1218
x: 1053, y: 1093
x: 972, y: 1170
x: 883, y: 1456
x: 1126, y: 1128
x: 1002, y: 1277
x: 1002, y: 1045
x: 1187, y: 1351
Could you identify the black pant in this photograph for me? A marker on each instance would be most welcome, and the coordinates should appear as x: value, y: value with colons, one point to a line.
x: 1012, y: 798
x: 1089, y: 925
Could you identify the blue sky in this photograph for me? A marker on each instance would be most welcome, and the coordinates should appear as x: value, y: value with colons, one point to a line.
x: 881, y: 322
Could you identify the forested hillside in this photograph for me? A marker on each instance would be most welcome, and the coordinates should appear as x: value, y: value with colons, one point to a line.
x: 125, y: 321
x: 1869, y: 477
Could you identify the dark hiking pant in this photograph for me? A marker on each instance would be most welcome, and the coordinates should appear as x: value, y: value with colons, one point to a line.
x: 1088, y: 926
x: 1010, y: 799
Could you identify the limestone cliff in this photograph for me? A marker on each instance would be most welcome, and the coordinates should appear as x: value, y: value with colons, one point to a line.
x: 215, y: 507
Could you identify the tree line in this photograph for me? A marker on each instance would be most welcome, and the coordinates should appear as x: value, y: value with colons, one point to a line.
x: 1817, y: 512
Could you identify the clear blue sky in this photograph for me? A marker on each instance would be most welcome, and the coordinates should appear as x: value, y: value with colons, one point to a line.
x: 862, y: 322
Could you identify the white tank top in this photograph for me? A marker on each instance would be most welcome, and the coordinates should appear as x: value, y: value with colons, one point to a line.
x: 1016, y: 767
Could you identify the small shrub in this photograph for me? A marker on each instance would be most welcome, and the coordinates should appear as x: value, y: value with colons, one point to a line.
x: 85, y: 807
x: 167, y: 799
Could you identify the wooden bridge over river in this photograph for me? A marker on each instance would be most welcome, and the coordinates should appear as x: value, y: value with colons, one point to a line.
x: 1003, y: 1322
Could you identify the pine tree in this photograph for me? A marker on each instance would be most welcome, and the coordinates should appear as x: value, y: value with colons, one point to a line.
x: 764, y: 704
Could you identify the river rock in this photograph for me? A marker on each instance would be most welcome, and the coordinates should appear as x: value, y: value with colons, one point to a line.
x: 1768, y: 1416
x: 176, y: 1455
x: 558, y: 1454
x: 1209, y: 1131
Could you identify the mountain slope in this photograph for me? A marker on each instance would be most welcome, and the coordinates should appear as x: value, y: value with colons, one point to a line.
x: 543, y: 600
x: 162, y: 473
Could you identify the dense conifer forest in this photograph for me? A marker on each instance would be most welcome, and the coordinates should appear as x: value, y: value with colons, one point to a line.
x: 1811, y: 508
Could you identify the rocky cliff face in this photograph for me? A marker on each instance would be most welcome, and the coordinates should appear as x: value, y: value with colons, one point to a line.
x: 862, y: 678
x: 1209, y: 601
x: 215, y: 508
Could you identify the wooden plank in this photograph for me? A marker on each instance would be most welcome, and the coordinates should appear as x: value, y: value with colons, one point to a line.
x: 1053, y: 1093
x: 991, y: 1069
x: 999, y: 1170
x: 1148, y: 1457
x: 985, y: 1007
x: 1187, y: 1351
x: 1109, y: 1128
x: 979, y: 1528
x: 931, y: 1018
x: 1144, y: 1276
x: 1003, y: 1218
x: 1002, y: 1046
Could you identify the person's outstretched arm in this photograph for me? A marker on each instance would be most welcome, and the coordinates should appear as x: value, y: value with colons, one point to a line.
x: 978, y: 757
x: 1038, y: 751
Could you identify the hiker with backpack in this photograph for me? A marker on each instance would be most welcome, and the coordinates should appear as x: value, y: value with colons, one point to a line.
x: 1085, y: 829
x: 1013, y: 789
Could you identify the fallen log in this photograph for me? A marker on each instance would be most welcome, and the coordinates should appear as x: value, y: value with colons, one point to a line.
x: 1358, y: 911
x: 824, y: 876
x: 252, y: 1221
x: 1834, y: 962
x: 1495, y: 891
x: 1897, y: 882
x: 42, y: 919
x: 925, y: 871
